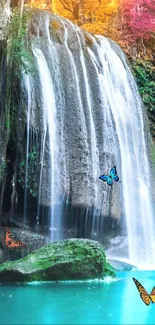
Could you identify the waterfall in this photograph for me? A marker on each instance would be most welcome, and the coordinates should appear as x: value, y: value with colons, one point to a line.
x: 93, y: 144
x: 48, y: 98
x: 126, y: 107
x: 28, y: 86
x: 91, y: 118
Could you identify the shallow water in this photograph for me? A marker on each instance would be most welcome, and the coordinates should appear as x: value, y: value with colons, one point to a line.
x: 92, y: 302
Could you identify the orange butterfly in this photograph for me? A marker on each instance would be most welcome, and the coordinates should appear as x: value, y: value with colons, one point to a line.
x: 10, y: 242
x: 143, y: 293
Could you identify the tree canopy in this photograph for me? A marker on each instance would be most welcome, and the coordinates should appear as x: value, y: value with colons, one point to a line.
x: 91, y: 15
x: 139, y: 16
x: 129, y: 22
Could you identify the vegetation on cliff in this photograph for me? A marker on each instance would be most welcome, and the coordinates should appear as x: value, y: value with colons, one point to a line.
x: 144, y: 72
x: 72, y: 259
x: 130, y: 23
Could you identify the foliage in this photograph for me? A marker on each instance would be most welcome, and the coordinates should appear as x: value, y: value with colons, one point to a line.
x: 29, y: 177
x: 91, y: 15
x: 20, y: 50
x: 42, y: 4
x: 145, y: 76
x: 139, y: 16
x: 3, y: 169
x: 153, y: 155
x: 131, y: 23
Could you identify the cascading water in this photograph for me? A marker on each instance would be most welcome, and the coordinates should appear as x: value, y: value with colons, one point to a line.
x: 92, y: 117
x: 28, y: 85
x: 126, y: 108
x: 48, y: 99
x: 89, y: 119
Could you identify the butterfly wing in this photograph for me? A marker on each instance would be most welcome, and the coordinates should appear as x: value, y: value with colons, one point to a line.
x: 107, y: 179
x: 152, y: 298
x: 113, y: 174
x: 153, y: 291
x: 10, y: 242
x: 145, y: 298
x: 143, y: 293
x: 152, y: 295
x: 6, y: 237
x: 14, y: 243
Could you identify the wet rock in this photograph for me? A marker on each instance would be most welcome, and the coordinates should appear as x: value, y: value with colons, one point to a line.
x: 71, y: 259
x: 31, y: 240
x: 5, y: 13
x: 2, y: 259
x: 121, y: 265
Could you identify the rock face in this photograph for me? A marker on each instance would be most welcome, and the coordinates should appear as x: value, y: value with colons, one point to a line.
x: 65, y: 130
x: 4, y: 17
x: 121, y: 266
x: 70, y: 259
x: 80, y: 149
x: 31, y: 240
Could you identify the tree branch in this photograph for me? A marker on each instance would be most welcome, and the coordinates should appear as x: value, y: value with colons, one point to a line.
x: 65, y: 5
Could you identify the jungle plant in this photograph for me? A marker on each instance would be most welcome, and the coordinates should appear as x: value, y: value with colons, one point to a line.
x: 28, y: 177
x: 145, y: 75
x: 19, y: 46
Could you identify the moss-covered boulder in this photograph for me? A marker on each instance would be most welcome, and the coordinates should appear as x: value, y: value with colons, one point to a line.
x: 70, y: 259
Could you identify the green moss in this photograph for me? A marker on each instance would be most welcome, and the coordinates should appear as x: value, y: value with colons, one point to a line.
x: 20, y: 51
x: 67, y: 259
x: 144, y: 72
x: 31, y: 177
x: 109, y: 270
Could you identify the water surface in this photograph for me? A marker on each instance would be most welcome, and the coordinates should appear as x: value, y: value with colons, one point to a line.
x: 92, y: 302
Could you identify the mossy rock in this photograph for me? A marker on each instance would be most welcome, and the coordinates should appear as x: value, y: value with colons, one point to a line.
x: 71, y: 259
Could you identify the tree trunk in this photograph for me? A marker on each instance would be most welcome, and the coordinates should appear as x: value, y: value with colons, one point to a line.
x: 14, y: 3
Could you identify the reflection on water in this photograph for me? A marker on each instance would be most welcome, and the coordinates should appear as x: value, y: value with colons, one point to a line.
x: 89, y: 302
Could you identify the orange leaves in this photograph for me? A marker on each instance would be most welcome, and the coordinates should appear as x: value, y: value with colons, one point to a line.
x: 90, y: 14
x: 95, y: 16
x: 94, y: 28
x: 41, y: 4
x: 98, y: 14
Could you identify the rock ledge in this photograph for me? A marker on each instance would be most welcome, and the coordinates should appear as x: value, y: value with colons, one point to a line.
x: 71, y: 259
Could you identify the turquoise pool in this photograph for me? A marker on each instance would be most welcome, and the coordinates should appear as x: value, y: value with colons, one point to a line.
x: 93, y: 302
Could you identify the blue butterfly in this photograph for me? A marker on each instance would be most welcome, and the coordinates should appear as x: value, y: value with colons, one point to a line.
x: 109, y: 178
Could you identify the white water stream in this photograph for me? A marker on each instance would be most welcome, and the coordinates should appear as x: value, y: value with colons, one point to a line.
x: 120, y: 138
x: 125, y: 105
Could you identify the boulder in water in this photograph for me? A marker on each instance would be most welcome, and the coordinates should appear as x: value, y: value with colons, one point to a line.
x: 121, y: 265
x: 71, y: 259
